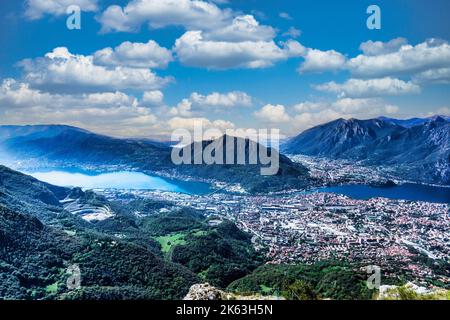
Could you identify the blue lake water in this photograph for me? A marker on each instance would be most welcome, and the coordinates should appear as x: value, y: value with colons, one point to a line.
x: 120, y: 180
x: 407, y: 191
x: 141, y: 181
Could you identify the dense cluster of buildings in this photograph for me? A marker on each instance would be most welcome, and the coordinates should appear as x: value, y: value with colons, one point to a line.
x: 309, y: 227
x: 332, y: 171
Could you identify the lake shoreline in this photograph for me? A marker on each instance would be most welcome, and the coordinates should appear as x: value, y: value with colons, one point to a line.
x: 137, y: 180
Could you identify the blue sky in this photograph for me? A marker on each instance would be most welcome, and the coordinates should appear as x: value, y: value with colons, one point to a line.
x: 242, y: 64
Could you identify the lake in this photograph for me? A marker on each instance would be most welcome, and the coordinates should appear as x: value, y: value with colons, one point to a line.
x: 407, y: 191
x: 141, y: 181
x: 121, y: 180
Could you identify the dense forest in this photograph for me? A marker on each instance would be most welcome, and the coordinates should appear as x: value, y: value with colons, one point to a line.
x: 34, y: 259
x: 157, y: 255
x: 324, y: 280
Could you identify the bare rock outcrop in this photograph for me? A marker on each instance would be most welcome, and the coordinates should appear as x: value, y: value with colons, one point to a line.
x: 205, y: 291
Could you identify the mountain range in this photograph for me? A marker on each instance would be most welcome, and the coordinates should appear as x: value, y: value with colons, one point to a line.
x: 57, y: 146
x: 52, y: 144
x: 418, y: 149
x: 408, y: 123
x: 152, y: 249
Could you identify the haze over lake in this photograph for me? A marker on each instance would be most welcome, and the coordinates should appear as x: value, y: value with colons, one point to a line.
x: 120, y: 180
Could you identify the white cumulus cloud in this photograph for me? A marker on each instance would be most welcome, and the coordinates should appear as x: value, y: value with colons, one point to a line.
x: 293, y: 32
x: 191, y: 123
x: 408, y: 59
x: 216, y: 99
x: 319, y: 61
x: 62, y: 70
x: 134, y: 55
x: 273, y: 114
x: 242, y: 28
x: 183, y: 109
x: 193, y: 50
x: 114, y: 113
x: 441, y: 76
x: 199, y: 103
x: 396, y: 58
x: 36, y: 9
x: 359, y: 88
x: 285, y: 16
x: 364, y: 107
x: 375, y: 48
x: 154, y: 97
x: 191, y: 14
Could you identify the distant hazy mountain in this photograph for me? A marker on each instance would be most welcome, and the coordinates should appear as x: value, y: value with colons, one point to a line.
x: 289, y: 174
x: 65, y: 146
x: 408, y: 123
x: 418, y: 148
x: 73, y: 145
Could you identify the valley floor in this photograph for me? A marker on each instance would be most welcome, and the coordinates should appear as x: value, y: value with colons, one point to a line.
x: 399, y: 236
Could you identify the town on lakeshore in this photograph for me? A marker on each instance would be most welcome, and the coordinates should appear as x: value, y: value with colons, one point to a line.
x: 310, y: 227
